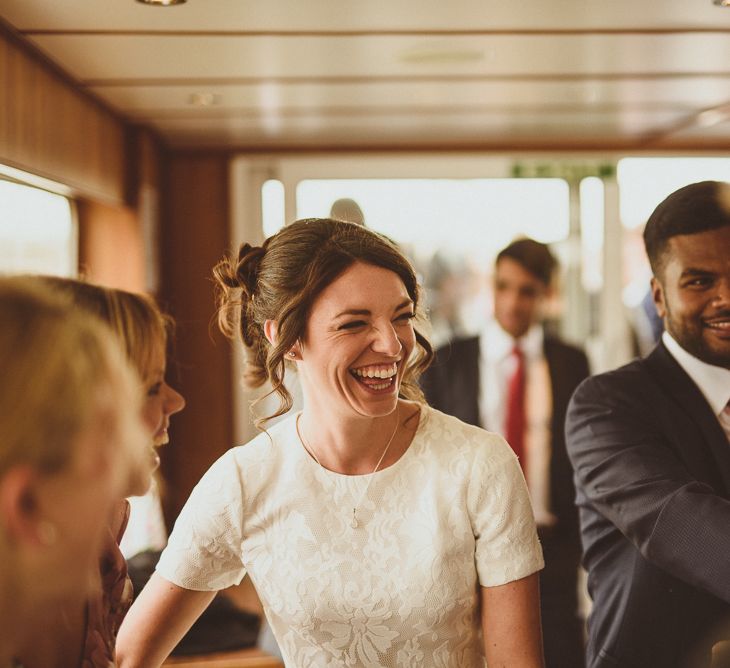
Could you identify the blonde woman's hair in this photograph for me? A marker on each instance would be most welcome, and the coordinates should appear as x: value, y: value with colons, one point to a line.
x: 139, y: 324
x: 58, y: 368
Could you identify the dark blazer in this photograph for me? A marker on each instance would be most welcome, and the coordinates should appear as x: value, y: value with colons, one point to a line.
x: 652, y: 469
x: 451, y: 385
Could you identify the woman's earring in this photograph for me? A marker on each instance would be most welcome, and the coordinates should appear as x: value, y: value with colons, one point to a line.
x: 291, y: 353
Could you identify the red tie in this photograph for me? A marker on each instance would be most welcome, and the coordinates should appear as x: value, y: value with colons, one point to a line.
x: 515, y: 420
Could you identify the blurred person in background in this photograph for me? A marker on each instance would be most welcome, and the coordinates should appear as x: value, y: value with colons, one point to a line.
x: 72, y: 443
x: 142, y: 331
x: 348, y: 210
x: 516, y: 379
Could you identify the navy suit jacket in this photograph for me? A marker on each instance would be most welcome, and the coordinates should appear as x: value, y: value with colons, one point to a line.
x: 652, y: 471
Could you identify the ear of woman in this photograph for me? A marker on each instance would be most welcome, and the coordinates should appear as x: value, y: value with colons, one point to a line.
x: 271, y: 331
x: 19, y: 508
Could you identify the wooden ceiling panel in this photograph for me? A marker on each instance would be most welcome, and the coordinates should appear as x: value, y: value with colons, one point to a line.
x: 678, y: 93
x: 139, y: 57
x: 313, y: 15
x: 717, y: 131
x: 405, y: 128
x: 469, y: 72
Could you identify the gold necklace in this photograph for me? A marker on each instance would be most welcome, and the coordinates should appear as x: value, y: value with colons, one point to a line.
x: 353, y: 522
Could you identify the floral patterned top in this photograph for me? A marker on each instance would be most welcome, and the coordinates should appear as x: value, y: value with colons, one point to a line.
x: 401, y: 588
x: 106, y: 611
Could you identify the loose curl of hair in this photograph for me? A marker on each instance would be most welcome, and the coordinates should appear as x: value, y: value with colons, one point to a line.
x: 281, y: 279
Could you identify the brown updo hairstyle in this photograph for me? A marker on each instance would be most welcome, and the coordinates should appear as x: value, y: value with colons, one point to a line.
x: 281, y: 279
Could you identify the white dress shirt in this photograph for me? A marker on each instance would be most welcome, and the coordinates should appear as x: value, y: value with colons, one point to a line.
x: 496, y: 367
x: 713, y: 381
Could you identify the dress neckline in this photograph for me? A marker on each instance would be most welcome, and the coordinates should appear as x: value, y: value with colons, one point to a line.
x: 420, y: 414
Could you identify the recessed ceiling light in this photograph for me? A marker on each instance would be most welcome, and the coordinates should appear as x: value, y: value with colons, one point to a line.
x: 722, y: 3
x: 204, y: 99
x: 162, y: 3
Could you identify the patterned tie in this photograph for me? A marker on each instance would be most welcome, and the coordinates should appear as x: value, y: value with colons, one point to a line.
x: 725, y: 420
x: 515, y: 419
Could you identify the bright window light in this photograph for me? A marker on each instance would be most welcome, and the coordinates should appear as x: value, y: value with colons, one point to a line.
x: 482, y: 215
x: 644, y: 182
x: 592, y: 231
x: 272, y: 206
x: 37, y: 231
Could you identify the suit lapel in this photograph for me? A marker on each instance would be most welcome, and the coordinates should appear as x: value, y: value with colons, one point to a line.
x: 675, y: 382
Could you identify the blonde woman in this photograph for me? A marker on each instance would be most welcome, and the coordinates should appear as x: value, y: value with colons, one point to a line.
x: 142, y: 330
x: 72, y: 440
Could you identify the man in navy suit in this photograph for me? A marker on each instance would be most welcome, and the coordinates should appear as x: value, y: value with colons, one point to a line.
x: 649, y: 444
x: 474, y: 378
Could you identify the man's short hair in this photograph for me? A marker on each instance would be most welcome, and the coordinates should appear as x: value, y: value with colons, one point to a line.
x: 532, y: 256
x: 698, y: 207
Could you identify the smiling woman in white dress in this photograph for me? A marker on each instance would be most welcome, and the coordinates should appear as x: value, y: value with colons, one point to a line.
x: 376, y: 530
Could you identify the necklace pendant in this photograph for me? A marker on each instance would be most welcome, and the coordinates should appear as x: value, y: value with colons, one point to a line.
x: 354, y: 523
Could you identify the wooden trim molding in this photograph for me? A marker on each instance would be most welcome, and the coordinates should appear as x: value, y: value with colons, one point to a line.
x: 383, y: 32
x: 156, y: 82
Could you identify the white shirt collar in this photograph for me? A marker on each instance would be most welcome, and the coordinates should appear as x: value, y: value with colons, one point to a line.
x: 713, y: 381
x: 497, y: 344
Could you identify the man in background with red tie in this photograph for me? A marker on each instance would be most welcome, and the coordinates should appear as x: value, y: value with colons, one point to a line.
x: 650, y: 443
x: 516, y: 379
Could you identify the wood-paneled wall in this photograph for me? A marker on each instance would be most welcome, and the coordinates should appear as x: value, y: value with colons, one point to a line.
x: 111, y: 251
x: 133, y: 199
x: 50, y: 128
x: 195, y: 234
x: 119, y: 244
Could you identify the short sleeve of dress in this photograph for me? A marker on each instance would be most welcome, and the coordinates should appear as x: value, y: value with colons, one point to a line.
x: 507, y: 547
x: 204, y: 549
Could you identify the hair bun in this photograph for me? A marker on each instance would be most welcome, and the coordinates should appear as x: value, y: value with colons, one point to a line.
x: 247, y: 269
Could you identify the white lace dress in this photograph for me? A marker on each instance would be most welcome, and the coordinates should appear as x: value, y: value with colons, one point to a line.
x: 401, y: 589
